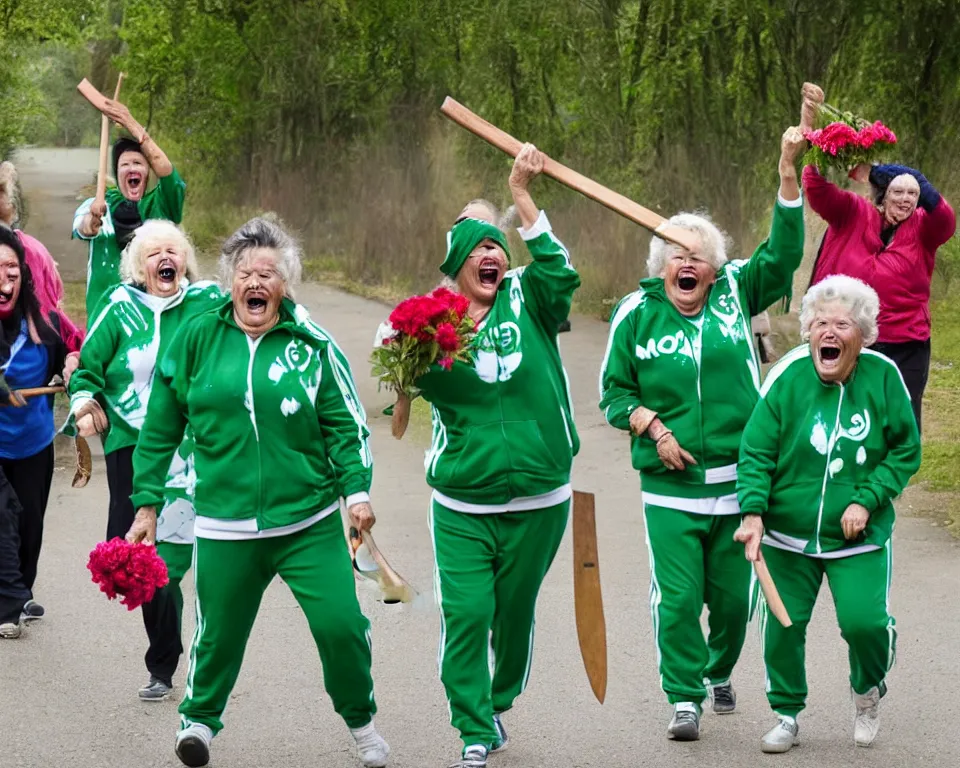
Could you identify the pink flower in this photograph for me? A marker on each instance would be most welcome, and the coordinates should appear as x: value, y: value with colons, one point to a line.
x: 447, y: 337
x: 135, y: 571
x: 446, y: 363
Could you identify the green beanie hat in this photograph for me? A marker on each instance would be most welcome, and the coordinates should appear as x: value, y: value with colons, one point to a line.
x: 464, y: 237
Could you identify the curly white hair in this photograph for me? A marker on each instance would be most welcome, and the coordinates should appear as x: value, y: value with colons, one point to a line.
x: 859, y: 299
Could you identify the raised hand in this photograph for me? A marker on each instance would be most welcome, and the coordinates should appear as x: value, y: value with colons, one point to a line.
x: 812, y: 96
x: 527, y: 166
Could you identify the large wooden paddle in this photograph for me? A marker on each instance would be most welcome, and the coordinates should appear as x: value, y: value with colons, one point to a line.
x: 569, y: 177
x: 98, y: 100
x: 587, y: 595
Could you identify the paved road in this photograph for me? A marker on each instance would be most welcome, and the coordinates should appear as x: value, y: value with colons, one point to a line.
x: 68, y: 687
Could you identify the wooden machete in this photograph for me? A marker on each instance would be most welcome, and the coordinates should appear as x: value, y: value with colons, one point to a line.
x: 587, y: 595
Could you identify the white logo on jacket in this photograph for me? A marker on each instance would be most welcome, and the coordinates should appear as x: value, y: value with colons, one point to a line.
x: 499, y: 352
x: 666, y: 345
x: 301, y: 359
x: 857, y: 432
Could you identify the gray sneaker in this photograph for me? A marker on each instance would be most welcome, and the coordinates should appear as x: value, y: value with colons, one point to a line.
x: 685, y: 725
x: 782, y: 737
x: 32, y: 611
x: 155, y: 690
x: 866, y: 724
x: 724, y: 698
x: 502, y: 739
x: 193, y: 745
x: 472, y: 757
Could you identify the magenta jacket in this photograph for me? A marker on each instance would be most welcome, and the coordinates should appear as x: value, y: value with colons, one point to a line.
x: 49, y: 288
x: 900, y: 272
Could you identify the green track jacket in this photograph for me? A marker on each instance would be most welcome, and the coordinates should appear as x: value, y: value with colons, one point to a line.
x: 811, y: 449
x: 129, y: 334
x: 503, y: 427
x: 164, y: 201
x: 701, y: 375
x: 280, y: 432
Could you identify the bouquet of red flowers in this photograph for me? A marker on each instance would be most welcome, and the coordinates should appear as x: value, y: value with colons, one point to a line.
x: 422, y: 331
x: 135, y: 571
x: 847, y: 142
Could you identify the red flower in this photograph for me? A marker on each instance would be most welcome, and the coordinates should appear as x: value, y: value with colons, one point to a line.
x: 135, y: 571
x: 447, y: 337
x: 878, y: 132
x: 446, y: 363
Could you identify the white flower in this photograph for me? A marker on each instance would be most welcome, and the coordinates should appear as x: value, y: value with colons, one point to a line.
x: 384, y: 332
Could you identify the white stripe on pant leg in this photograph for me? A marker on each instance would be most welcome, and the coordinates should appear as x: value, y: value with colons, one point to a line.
x: 655, y: 596
x: 526, y: 672
x: 891, y: 624
x: 438, y: 596
x: 195, y: 643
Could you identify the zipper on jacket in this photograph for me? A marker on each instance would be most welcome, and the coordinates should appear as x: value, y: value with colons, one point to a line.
x: 831, y: 442
x: 253, y: 344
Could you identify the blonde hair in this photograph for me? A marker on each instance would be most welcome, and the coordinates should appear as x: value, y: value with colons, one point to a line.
x: 712, y: 250
x: 860, y: 300
x: 153, y: 231
x: 10, y: 188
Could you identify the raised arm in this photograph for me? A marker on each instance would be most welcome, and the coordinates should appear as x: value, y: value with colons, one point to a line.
x: 550, y: 281
x: 156, y: 157
x: 939, y: 222
x: 768, y: 275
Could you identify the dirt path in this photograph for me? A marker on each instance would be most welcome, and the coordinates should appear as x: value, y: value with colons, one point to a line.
x: 68, y: 688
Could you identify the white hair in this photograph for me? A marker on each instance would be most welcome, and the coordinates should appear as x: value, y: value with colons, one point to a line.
x: 262, y: 232
x: 859, y: 299
x: 712, y: 250
x: 10, y: 188
x: 133, y: 262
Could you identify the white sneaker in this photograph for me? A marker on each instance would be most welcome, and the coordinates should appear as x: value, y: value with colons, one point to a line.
x: 371, y: 747
x: 193, y: 745
x: 782, y: 737
x: 866, y: 724
x: 11, y: 630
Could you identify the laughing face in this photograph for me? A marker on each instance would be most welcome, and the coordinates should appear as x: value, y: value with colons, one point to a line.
x: 835, y: 342
x: 165, y: 267
x: 482, y: 273
x: 258, y: 288
x: 900, y: 200
x: 10, y: 281
x: 132, y: 171
x: 687, y: 279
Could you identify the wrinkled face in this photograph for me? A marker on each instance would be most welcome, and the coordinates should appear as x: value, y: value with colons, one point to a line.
x: 900, y: 200
x: 687, y: 278
x: 10, y: 280
x: 482, y: 273
x: 257, y: 291
x: 165, y: 267
x: 132, y: 172
x: 835, y: 342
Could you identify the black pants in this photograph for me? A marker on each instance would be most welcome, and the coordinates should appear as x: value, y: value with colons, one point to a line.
x: 160, y: 614
x: 913, y: 360
x: 13, y: 593
x: 30, y: 479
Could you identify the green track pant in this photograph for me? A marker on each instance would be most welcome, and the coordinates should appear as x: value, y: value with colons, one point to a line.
x: 695, y: 561
x: 489, y: 569
x: 231, y: 577
x: 178, y: 558
x: 861, y: 588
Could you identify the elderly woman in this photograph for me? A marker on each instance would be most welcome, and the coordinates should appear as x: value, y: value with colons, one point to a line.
x: 828, y: 448
x: 681, y: 375
x: 503, y: 446
x: 134, y: 325
x: 108, y: 228
x: 281, y: 439
x: 46, y: 278
x: 32, y: 352
x: 890, y: 243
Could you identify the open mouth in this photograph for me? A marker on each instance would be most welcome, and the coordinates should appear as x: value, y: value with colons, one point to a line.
x: 829, y: 354
x: 256, y: 305
x: 687, y: 283
x: 489, y: 274
x: 134, y: 182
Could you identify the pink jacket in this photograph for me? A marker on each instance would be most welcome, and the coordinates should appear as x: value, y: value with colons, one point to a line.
x: 49, y: 288
x: 900, y: 272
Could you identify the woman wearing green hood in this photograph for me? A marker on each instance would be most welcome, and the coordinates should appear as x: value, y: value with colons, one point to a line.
x: 499, y: 465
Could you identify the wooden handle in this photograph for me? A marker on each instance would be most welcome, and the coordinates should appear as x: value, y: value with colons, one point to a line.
x: 98, y: 100
x: 37, y: 391
x: 770, y: 593
x: 587, y: 595
x: 569, y: 177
